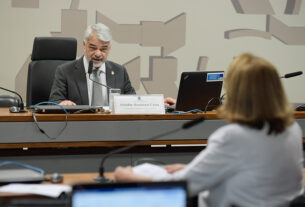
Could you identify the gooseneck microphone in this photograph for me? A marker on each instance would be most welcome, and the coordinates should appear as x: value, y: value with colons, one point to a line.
x: 102, y: 179
x: 20, y: 104
x: 290, y: 75
x: 90, y: 70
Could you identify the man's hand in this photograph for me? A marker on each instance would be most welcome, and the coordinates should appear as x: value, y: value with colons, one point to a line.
x: 169, y: 101
x: 67, y: 103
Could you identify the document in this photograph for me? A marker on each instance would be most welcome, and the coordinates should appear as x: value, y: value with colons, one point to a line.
x: 148, y: 169
x: 50, y: 190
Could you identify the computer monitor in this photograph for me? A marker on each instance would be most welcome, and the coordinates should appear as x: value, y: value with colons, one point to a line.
x: 147, y: 194
x: 199, y: 90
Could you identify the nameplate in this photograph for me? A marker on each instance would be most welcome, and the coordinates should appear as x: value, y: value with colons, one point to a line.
x: 139, y: 104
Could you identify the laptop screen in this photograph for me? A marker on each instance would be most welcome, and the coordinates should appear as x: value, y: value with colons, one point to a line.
x: 199, y: 90
x: 160, y: 194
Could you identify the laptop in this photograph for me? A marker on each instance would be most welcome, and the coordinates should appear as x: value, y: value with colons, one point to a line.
x: 56, y: 109
x: 140, y: 194
x: 20, y: 176
x: 199, y: 90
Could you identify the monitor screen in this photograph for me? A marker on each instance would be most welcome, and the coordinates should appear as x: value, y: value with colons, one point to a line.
x: 139, y: 196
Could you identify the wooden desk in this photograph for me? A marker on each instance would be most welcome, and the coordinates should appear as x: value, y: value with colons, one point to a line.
x: 88, y: 136
x: 87, y: 130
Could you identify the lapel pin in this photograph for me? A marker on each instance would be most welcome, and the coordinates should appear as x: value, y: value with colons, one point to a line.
x: 112, y: 73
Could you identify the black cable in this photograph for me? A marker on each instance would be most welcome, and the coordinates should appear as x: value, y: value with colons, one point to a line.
x: 206, y: 107
x: 32, y: 108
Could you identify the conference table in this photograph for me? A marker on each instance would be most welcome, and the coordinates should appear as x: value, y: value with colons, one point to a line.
x: 85, y: 138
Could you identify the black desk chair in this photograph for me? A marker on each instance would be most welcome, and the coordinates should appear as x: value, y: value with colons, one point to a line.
x: 298, y: 201
x: 48, y: 53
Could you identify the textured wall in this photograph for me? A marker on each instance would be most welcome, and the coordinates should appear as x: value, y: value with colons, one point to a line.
x: 157, y: 40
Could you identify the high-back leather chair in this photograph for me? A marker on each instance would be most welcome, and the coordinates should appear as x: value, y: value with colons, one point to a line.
x: 48, y: 53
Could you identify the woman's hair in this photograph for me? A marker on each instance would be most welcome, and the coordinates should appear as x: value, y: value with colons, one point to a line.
x: 255, y: 95
x: 101, y: 31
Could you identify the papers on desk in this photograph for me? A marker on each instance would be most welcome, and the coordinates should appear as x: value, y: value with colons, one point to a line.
x: 148, y: 169
x: 49, y: 190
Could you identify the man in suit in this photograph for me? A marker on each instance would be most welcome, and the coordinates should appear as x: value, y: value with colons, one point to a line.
x: 72, y: 84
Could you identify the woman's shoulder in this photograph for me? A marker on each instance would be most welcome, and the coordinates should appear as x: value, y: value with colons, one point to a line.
x: 236, y: 131
x: 233, y: 130
x: 232, y: 127
x: 295, y: 128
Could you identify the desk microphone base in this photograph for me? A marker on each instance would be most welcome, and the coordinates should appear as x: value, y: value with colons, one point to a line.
x: 102, y: 179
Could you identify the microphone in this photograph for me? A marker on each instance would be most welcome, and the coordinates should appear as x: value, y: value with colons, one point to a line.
x: 102, y: 179
x: 290, y: 75
x: 90, y: 70
x: 90, y: 67
x: 20, y: 104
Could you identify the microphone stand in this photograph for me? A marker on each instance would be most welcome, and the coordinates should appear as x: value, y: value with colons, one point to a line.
x: 102, y: 179
x: 90, y: 69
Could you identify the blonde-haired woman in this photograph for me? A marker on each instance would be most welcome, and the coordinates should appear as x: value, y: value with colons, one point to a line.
x: 257, y: 158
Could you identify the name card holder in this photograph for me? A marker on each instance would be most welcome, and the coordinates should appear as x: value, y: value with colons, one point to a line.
x: 139, y: 104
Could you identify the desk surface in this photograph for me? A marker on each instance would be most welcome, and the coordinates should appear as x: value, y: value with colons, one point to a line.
x: 7, y: 116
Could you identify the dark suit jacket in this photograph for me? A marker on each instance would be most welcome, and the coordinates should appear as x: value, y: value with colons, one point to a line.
x: 70, y: 81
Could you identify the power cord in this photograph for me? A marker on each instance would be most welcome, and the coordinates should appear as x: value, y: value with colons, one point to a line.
x: 206, y: 107
x: 186, y: 112
x: 198, y: 110
x: 41, y: 171
x: 32, y: 108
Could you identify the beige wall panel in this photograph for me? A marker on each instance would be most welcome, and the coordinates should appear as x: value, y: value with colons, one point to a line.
x: 162, y: 76
x: 133, y: 68
x: 152, y: 33
x: 286, y: 34
x: 293, y: 6
x: 73, y: 24
x: 25, y: 3
x: 253, y: 7
x: 202, y: 63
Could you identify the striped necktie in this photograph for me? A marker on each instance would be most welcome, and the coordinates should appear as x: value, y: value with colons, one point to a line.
x: 97, y: 90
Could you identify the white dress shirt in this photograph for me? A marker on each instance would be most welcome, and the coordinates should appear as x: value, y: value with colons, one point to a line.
x: 101, y: 80
x: 246, y: 167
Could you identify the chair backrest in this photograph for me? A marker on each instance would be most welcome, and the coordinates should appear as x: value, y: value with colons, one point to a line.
x: 8, y: 101
x: 48, y: 53
x: 298, y: 201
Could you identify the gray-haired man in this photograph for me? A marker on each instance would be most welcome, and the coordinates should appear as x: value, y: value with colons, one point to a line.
x: 72, y: 85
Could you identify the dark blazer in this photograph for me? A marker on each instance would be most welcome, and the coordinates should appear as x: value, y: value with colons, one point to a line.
x: 70, y: 81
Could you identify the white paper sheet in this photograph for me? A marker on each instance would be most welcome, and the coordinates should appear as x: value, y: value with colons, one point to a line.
x: 148, y: 169
x: 40, y: 189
